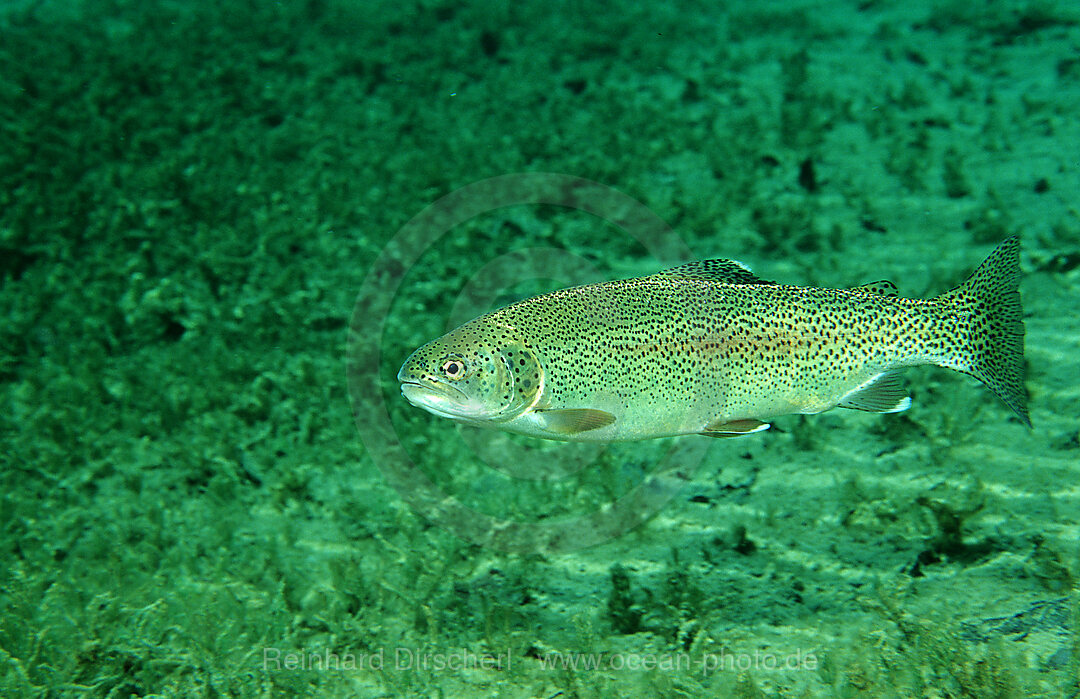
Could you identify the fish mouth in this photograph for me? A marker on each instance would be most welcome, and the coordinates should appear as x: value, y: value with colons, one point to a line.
x: 437, y: 398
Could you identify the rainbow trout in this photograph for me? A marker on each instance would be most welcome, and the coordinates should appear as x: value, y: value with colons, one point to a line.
x: 708, y: 348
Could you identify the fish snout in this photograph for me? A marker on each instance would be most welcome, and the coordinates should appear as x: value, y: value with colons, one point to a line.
x: 437, y: 397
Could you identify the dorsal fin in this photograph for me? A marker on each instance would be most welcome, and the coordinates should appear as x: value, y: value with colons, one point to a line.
x: 727, y: 271
x: 882, y: 287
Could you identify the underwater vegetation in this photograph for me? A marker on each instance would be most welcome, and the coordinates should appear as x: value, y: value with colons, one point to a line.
x: 192, y: 197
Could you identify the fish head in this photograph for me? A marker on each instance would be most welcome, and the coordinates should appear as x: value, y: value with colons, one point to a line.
x: 473, y: 375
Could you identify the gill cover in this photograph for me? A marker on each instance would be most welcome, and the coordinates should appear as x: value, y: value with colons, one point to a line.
x: 522, y: 378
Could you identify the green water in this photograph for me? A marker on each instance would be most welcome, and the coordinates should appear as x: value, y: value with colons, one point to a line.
x: 211, y: 487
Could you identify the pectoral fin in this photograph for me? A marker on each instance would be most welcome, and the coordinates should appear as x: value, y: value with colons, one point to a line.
x: 734, y: 428
x: 572, y: 420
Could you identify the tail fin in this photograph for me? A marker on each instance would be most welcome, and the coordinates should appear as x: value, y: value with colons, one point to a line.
x: 990, y: 345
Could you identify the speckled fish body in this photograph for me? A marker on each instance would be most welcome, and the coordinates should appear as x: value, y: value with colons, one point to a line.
x: 709, y: 348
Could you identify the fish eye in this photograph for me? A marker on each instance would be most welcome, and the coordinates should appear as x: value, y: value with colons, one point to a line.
x: 453, y: 369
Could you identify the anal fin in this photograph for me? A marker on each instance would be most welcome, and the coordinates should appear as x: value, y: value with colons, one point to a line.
x: 883, y: 393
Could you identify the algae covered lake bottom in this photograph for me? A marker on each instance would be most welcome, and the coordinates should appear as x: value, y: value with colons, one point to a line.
x: 207, y: 491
